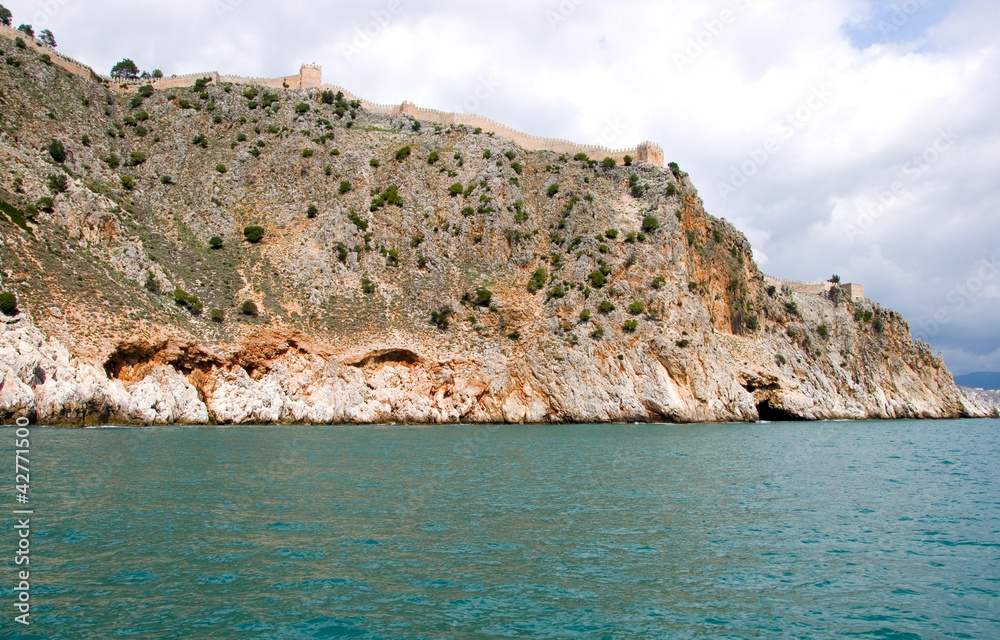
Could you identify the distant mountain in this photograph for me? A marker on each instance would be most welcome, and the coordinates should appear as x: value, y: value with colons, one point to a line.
x: 981, y: 380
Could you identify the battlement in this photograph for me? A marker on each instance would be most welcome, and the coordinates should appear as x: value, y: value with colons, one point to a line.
x: 854, y: 290
x: 310, y: 76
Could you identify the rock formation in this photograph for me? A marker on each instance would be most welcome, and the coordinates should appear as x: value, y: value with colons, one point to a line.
x: 407, y: 272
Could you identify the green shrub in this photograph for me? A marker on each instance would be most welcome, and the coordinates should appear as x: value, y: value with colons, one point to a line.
x: 608, y: 163
x: 650, y: 224
x: 585, y: 315
x: 611, y: 234
x: 597, y: 279
x: 537, y: 280
x: 307, y: 153
x: 456, y: 189
x: 217, y: 315
x: 517, y: 167
x: 604, y: 248
x: 659, y: 282
x: 253, y: 234
x: 301, y: 108
x: 483, y: 297
x: 416, y: 241
x: 823, y: 331
x: 752, y: 323
x: 402, y: 153
x: 8, y: 303
x: 361, y: 224
x: 878, y: 325
x: 683, y: 344
x: 630, y: 326
x: 440, y: 318
x: 128, y: 183
x: 433, y: 157
x: 328, y: 97
x: 312, y: 211
x: 58, y: 183
x: 597, y: 334
x: 582, y: 157
x: 374, y: 162
x: 552, y: 190
x: 200, y: 141
x: 636, y: 307
x: 46, y: 204
x: 606, y: 306
x: 792, y: 308
x: 249, y: 308
x: 221, y: 168
x: 215, y: 242
x: 345, y: 186
x: 367, y: 286
x: 515, y: 335
x: 468, y: 211
x: 628, y: 161
x: 389, y: 196
x: 57, y: 151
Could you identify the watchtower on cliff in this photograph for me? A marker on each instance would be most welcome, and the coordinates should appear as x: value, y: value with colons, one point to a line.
x: 650, y: 152
x: 310, y: 76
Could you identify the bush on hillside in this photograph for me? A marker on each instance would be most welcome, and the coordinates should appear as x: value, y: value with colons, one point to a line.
x: 253, y: 234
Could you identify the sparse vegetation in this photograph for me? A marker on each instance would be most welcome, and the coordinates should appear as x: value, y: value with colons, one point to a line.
x: 537, y: 280
x: 57, y: 151
x: 253, y: 234
x: 8, y: 303
x: 58, y: 183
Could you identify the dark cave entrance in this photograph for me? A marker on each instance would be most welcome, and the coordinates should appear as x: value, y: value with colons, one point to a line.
x: 773, y: 414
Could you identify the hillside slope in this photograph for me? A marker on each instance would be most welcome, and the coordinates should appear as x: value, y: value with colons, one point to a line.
x: 406, y: 272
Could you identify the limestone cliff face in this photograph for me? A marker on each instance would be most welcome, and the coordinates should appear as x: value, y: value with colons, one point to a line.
x: 407, y: 273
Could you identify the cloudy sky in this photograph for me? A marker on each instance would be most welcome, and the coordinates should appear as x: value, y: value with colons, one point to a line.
x: 857, y: 137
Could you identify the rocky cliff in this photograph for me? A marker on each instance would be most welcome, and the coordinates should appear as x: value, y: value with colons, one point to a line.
x: 232, y: 255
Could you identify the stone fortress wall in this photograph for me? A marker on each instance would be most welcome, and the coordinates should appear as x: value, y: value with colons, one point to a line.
x: 854, y: 290
x: 310, y: 76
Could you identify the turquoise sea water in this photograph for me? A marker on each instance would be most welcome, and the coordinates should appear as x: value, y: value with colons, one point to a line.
x: 886, y: 530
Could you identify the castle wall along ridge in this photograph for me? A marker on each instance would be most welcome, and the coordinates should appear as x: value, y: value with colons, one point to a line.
x: 310, y: 76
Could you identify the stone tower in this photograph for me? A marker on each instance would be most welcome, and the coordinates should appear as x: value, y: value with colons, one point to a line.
x: 650, y: 152
x: 310, y: 76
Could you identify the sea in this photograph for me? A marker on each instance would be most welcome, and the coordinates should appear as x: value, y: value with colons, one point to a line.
x: 883, y: 530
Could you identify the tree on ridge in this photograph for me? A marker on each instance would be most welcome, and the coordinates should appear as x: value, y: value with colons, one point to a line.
x: 125, y: 69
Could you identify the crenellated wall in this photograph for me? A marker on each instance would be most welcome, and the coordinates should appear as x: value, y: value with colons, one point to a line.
x: 310, y: 76
x: 854, y: 290
x: 67, y: 63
